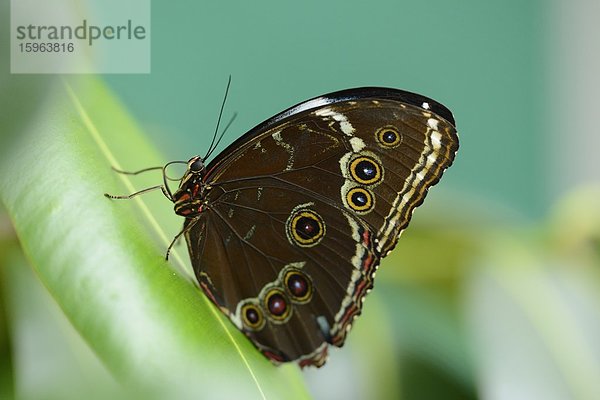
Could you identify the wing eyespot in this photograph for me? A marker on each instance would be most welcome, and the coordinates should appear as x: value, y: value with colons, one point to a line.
x: 360, y: 200
x: 305, y: 228
x: 277, y: 305
x: 388, y: 137
x: 298, y: 286
x: 365, y: 170
x: 252, y: 316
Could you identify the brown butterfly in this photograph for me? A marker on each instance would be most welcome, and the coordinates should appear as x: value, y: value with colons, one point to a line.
x: 287, y: 226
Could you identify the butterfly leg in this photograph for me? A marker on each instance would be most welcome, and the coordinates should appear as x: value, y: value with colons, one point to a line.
x: 130, y: 196
x: 164, y: 187
x: 135, y: 172
x: 176, y: 238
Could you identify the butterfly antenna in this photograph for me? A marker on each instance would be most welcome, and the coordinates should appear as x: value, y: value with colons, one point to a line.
x: 210, y: 148
x: 222, y: 134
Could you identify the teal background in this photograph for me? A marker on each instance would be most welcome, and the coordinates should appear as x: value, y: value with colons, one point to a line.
x: 493, y: 292
x: 483, y: 60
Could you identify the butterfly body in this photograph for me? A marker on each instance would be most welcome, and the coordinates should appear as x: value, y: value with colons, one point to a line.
x: 287, y: 226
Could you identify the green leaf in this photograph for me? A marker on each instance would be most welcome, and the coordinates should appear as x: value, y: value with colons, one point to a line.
x: 103, y: 261
x: 50, y: 359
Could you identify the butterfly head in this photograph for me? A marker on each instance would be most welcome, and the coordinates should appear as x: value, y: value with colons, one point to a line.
x: 196, y: 166
x: 189, y: 198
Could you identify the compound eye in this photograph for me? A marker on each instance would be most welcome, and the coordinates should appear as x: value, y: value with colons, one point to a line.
x: 197, y: 165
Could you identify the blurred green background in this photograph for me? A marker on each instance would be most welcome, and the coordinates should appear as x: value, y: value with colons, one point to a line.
x: 493, y: 292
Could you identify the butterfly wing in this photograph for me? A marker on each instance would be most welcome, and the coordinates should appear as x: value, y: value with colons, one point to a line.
x: 300, y: 210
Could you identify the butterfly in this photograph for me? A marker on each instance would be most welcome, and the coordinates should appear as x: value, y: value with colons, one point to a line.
x: 287, y: 226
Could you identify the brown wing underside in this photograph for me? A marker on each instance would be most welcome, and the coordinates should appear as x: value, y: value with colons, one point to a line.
x: 311, y: 170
